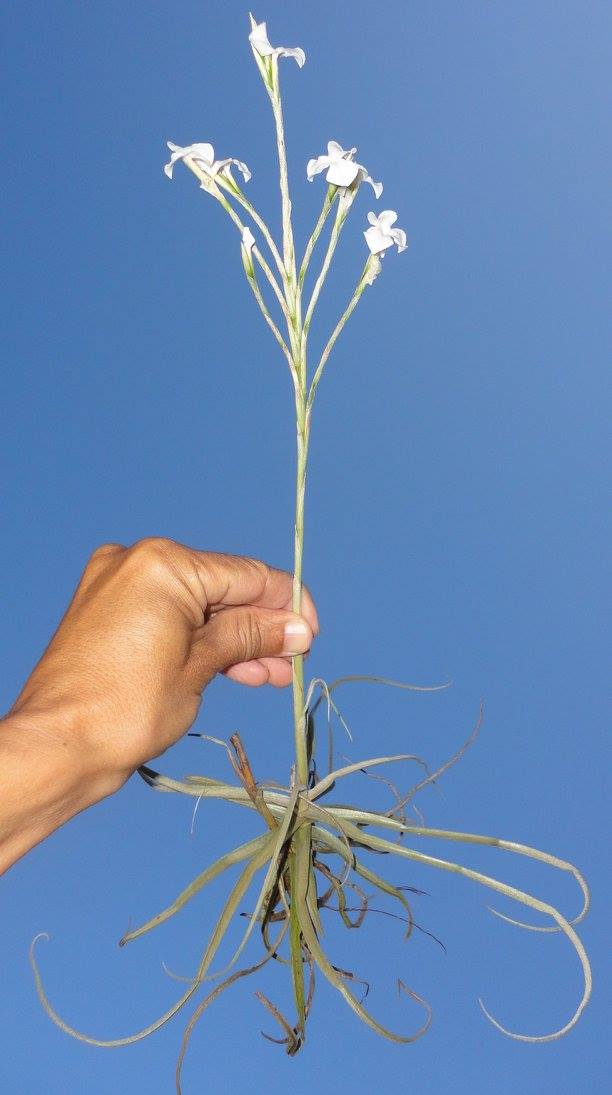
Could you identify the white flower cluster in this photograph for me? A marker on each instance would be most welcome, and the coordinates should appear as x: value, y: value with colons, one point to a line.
x: 342, y: 170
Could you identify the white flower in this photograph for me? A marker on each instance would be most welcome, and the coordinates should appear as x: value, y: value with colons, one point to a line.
x: 382, y: 235
x: 248, y: 243
x: 204, y: 156
x: 341, y: 168
x: 248, y: 240
x: 259, y: 41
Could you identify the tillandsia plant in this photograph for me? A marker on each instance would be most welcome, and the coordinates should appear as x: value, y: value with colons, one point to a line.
x: 312, y: 855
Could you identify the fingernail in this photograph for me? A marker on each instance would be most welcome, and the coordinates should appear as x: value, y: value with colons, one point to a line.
x: 297, y: 637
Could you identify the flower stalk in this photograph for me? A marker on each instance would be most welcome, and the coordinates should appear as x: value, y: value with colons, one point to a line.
x: 330, y: 195
x: 299, y: 708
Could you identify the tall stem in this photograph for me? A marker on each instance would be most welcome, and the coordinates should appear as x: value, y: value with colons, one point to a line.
x: 299, y: 713
x: 302, y: 415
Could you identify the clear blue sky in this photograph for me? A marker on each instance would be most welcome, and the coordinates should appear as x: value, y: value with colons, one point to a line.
x: 458, y: 518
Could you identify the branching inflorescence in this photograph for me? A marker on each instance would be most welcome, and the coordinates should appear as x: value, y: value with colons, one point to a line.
x: 312, y: 852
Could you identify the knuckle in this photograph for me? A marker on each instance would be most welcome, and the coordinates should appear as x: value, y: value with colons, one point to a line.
x: 152, y: 547
x: 99, y: 562
x: 109, y: 548
x: 152, y: 544
x: 100, y: 557
x: 153, y: 554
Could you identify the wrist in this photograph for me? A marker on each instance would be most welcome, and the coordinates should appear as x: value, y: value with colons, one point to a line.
x: 46, y: 778
x: 70, y: 735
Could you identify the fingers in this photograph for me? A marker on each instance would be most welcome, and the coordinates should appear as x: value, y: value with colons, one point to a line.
x: 236, y: 580
x: 275, y: 671
x: 220, y: 581
x: 240, y: 608
x: 247, y: 643
x: 253, y: 674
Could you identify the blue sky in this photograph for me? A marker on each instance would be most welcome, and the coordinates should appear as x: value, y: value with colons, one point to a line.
x: 458, y: 517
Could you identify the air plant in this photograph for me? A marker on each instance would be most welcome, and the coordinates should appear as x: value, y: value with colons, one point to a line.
x: 313, y: 855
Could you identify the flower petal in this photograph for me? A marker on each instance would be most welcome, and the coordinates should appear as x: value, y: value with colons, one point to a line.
x: 377, y: 240
x: 314, y: 167
x: 223, y: 166
x: 342, y: 172
x: 248, y: 240
x: 336, y: 152
x: 176, y: 155
x: 242, y: 167
x: 169, y: 167
x: 386, y: 219
x: 373, y: 219
x: 259, y: 39
x: 377, y: 187
x: 204, y: 154
x: 399, y: 237
x: 296, y: 52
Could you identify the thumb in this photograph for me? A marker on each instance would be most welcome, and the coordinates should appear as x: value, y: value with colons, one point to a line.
x: 244, y: 634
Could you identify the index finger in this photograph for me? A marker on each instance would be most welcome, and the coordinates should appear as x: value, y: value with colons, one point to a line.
x: 231, y: 580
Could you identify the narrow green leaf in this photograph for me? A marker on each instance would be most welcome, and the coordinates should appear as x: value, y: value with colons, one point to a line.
x: 378, y: 844
x: 244, y: 851
x: 216, y: 938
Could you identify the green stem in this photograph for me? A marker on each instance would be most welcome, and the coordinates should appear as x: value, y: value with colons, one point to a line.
x: 210, y: 185
x: 292, y: 290
x: 330, y: 195
x: 277, y: 110
x: 364, y: 280
x: 252, y: 280
x: 299, y: 710
x: 331, y: 247
x: 233, y: 188
x: 256, y: 252
x: 298, y: 350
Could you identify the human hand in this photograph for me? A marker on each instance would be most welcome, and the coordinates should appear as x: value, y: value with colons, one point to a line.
x: 147, y: 629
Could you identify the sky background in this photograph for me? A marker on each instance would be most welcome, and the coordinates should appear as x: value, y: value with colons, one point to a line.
x: 458, y: 517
